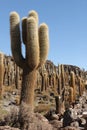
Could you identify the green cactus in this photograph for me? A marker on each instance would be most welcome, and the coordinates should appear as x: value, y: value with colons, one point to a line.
x: 1, y: 73
x: 36, y: 48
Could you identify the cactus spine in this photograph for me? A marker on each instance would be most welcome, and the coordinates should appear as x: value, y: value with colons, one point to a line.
x: 1, y: 74
x: 36, y: 51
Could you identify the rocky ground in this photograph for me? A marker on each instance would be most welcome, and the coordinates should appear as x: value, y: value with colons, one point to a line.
x: 8, y: 108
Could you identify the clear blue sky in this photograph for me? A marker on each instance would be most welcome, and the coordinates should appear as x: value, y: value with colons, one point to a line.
x: 67, y: 21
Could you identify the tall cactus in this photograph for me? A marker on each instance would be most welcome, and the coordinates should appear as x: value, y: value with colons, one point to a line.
x: 81, y: 86
x: 1, y: 73
x: 71, y: 95
x: 73, y: 85
x: 36, y: 43
x: 62, y: 76
x: 59, y: 80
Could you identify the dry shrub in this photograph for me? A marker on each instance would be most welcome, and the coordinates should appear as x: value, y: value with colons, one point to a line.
x: 42, y: 108
x: 9, y: 89
x: 32, y: 121
x: 10, y: 119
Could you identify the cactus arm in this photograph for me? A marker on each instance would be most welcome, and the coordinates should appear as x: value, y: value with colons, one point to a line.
x: 15, y: 39
x: 43, y: 43
x: 24, y: 30
x: 32, y: 46
x: 33, y: 14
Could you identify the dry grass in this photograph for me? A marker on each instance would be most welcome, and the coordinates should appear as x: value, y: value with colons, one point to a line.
x: 9, y: 118
x: 32, y: 121
x: 3, y: 113
x: 42, y: 108
x: 9, y: 89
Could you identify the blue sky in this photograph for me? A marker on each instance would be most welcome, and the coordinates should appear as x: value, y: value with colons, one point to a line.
x: 67, y: 21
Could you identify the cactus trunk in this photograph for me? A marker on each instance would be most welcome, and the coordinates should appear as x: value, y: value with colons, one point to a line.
x: 28, y: 83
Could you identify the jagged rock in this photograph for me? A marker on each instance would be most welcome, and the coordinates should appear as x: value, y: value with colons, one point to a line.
x: 56, y: 124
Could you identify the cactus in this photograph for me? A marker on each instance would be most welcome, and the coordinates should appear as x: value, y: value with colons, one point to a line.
x: 79, y: 83
x: 71, y: 95
x: 17, y: 78
x: 54, y: 80
x: 58, y: 104
x: 59, y: 80
x: 36, y: 48
x: 62, y: 76
x: 73, y: 85
x: 1, y: 74
x: 44, y: 80
x: 81, y: 86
